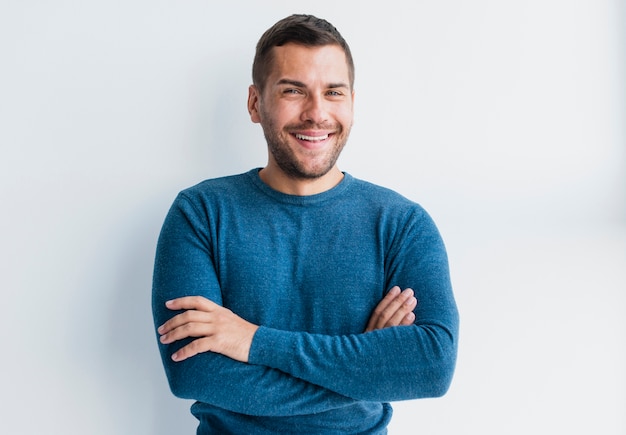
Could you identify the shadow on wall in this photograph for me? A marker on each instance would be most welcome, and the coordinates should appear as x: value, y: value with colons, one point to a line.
x: 144, y: 397
x: 224, y: 137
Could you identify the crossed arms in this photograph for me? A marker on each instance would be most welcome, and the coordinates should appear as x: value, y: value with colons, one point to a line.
x: 217, y: 329
x: 215, y: 356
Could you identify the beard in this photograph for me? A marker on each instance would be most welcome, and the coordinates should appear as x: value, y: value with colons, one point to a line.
x: 309, y: 164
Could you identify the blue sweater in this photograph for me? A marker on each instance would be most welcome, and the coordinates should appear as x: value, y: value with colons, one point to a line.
x: 309, y: 270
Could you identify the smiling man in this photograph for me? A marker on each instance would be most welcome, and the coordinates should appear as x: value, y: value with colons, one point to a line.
x: 305, y: 106
x: 295, y: 297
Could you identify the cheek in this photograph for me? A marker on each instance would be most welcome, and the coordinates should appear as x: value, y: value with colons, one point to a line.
x: 279, y: 114
x: 345, y: 112
x: 346, y: 118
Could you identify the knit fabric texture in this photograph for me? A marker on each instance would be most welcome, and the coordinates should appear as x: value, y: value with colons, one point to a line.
x: 309, y: 270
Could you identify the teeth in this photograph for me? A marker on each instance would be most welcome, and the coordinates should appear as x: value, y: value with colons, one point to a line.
x: 311, y: 138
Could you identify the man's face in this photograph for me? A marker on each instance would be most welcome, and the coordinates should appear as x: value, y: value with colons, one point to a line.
x: 306, y: 109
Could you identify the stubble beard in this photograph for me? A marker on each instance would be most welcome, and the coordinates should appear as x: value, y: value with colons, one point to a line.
x: 287, y: 160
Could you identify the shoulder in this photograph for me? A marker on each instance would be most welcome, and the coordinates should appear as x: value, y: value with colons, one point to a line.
x: 218, y: 189
x: 382, y: 197
x: 210, y: 196
x: 216, y: 185
x: 394, y: 212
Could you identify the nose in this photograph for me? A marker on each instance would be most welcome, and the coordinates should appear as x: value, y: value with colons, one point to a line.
x: 315, y: 110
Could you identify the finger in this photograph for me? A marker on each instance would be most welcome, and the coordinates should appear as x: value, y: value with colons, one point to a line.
x: 408, y: 319
x: 191, y: 303
x: 405, y: 311
x: 187, y: 318
x: 197, y: 346
x: 390, y: 296
x: 384, y: 318
x: 182, y: 318
x: 189, y: 330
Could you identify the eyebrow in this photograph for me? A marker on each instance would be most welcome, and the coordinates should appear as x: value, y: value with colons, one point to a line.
x: 302, y: 85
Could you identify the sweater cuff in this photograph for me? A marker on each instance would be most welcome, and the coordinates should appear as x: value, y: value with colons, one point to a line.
x: 268, y: 345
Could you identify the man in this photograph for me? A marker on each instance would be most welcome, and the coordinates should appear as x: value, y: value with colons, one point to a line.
x: 296, y: 298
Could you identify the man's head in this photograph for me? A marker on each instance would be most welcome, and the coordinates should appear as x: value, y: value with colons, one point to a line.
x: 303, y: 99
x: 305, y: 30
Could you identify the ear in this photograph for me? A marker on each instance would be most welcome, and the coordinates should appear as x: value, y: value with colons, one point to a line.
x: 253, y: 104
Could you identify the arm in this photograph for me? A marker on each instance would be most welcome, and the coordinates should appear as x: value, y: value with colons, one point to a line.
x: 214, y: 328
x: 387, y: 364
x: 184, y: 267
x: 383, y: 365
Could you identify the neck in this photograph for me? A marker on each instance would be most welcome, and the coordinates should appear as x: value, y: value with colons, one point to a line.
x: 279, y: 181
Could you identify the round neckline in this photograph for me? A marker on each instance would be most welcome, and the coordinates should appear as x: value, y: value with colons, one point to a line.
x: 317, y: 198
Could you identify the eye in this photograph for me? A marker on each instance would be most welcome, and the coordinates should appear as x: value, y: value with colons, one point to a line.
x: 334, y: 93
x: 291, y: 91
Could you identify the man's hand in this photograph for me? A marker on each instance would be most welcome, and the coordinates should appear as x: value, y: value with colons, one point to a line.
x: 217, y: 329
x: 395, y: 309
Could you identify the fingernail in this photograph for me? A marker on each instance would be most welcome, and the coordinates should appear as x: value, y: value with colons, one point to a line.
x: 175, y: 356
x: 168, y: 303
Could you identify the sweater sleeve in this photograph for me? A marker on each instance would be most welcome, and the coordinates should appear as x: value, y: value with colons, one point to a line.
x: 184, y: 267
x: 397, y: 363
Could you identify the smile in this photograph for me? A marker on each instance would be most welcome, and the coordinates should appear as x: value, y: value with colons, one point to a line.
x: 311, y: 138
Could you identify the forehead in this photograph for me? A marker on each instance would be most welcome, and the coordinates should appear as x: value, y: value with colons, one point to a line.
x: 310, y: 65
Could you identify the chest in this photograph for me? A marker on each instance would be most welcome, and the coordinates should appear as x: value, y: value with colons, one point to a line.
x: 309, y: 271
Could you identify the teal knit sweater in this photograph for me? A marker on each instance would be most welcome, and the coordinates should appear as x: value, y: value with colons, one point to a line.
x: 309, y: 270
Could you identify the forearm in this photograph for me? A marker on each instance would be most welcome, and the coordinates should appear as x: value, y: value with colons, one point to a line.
x: 398, y: 363
x: 224, y: 382
x: 248, y: 389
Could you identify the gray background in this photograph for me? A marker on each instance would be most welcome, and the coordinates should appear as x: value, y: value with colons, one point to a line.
x: 503, y: 119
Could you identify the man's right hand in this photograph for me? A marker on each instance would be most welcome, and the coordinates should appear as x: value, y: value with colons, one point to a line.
x: 396, y: 309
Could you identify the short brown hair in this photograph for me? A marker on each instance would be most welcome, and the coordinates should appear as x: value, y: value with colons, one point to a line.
x: 300, y: 29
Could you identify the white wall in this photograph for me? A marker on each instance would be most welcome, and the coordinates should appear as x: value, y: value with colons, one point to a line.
x: 504, y: 119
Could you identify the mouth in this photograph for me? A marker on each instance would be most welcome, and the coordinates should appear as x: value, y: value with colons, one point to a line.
x: 314, y: 139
